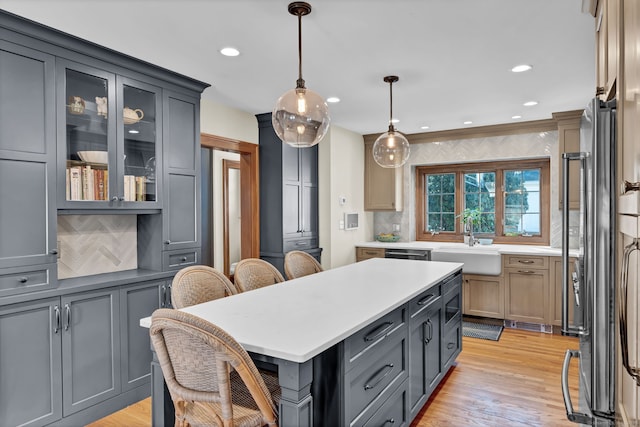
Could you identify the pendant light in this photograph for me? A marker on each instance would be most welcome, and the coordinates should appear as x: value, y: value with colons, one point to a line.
x: 300, y: 117
x: 391, y: 149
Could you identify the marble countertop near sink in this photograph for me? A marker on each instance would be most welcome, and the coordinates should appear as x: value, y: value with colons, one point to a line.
x: 500, y: 248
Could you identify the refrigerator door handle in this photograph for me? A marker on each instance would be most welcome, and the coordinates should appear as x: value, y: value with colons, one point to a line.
x: 566, y: 329
x: 633, y: 371
x: 572, y: 416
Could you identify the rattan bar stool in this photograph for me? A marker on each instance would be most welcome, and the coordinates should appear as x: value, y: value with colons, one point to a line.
x: 199, y: 283
x: 300, y: 263
x: 211, y: 378
x: 254, y: 273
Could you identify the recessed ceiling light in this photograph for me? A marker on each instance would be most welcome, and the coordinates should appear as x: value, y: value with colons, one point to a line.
x: 229, y: 51
x: 133, y: 131
x: 468, y: 122
x: 530, y: 103
x: 395, y: 120
x: 516, y: 117
x: 333, y: 99
x: 521, y: 68
x: 424, y: 127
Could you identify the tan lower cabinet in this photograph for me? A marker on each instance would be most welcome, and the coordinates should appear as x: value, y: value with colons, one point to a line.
x: 555, y: 290
x: 483, y: 296
x: 366, y: 253
x: 527, y: 294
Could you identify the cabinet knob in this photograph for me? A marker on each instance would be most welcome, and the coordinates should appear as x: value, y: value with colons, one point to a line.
x: 121, y: 198
x: 630, y: 186
x: 184, y: 259
x: 600, y: 90
x: 53, y: 251
x: 167, y: 242
x: 114, y: 199
x: 24, y: 279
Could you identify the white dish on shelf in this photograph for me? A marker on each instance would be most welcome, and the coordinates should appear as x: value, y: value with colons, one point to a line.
x: 100, y: 157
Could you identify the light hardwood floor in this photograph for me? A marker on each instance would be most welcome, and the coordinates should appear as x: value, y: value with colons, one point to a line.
x: 514, y: 382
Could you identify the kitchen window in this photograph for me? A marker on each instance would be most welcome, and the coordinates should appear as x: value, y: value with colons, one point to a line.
x: 511, y: 197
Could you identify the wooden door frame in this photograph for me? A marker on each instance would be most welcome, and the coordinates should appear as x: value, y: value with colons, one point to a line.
x: 250, y: 199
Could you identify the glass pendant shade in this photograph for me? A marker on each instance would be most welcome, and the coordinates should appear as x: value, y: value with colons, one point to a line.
x: 300, y: 118
x: 391, y: 149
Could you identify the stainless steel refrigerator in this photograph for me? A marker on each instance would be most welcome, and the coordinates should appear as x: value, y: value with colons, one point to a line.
x: 594, y: 276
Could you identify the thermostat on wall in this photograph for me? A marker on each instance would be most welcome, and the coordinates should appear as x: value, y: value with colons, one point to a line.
x: 351, y: 220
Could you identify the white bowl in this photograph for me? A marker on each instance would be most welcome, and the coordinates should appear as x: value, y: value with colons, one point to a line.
x: 485, y: 241
x: 101, y: 157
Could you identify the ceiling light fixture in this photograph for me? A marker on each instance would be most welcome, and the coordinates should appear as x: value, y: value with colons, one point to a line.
x: 229, y: 51
x: 300, y: 117
x: 530, y: 103
x: 521, y: 68
x: 391, y: 149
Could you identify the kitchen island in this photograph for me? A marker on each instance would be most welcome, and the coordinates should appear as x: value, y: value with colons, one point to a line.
x: 352, y: 345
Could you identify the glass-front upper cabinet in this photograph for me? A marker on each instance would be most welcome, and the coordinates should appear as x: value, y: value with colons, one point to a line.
x: 108, y: 140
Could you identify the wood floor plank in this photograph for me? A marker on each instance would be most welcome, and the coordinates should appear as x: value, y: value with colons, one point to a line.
x: 514, y: 382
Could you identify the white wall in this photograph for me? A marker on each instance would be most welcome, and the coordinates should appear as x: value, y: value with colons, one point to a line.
x: 341, y: 174
x: 217, y: 119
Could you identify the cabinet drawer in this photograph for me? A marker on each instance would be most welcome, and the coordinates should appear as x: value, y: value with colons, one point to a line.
x: 450, y: 283
x: 451, y: 345
x: 424, y: 300
x: 393, y: 412
x: 375, y: 379
x: 366, y: 253
x: 299, y: 244
x: 358, y: 344
x: 175, y: 260
x: 526, y: 261
x: 20, y: 280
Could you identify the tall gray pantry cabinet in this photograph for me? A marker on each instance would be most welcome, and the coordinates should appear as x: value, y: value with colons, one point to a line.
x: 71, y: 350
x: 288, y: 197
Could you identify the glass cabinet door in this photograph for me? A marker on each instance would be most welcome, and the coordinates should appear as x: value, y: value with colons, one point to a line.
x: 139, y: 104
x: 89, y: 135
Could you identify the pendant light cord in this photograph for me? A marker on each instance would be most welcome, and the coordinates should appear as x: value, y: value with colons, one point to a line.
x: 300, y: 82
x: 391, y: 128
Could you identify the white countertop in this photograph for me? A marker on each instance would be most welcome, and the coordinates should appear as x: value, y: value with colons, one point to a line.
x: 298, y: 319
x: 500, y: 248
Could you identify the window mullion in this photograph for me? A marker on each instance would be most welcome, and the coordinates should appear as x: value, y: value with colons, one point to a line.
x: 499, y: 203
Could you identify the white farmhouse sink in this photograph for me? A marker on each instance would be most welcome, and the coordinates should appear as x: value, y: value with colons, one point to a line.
x: 476, y: 261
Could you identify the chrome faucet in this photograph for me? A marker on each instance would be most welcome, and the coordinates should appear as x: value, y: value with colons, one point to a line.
x: 472, y: 240
x: 435, y: 230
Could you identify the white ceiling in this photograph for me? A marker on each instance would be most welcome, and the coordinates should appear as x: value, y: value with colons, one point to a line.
x: 453, y: 57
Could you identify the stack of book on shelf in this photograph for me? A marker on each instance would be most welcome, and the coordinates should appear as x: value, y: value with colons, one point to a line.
x: 85, y: 183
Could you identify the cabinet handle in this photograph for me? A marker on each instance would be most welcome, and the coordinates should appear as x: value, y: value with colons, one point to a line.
x: 67, y: 311
x: 429, y: 337
x: 53, y: 252
x: 390, y: 421
x: 163, y: 295
x: 633, y: 371
x: 526, y: 272
x: 302, y: 243
x: 167, y: 302
x: 450, y: 345
x: 525, y: 261
x: 630, y: 186
x: 56, y: 328
x: 379, y: 376
x: 114, y: 199
x: 426, y: 300
x: 24, y: 279
x: 378, y: 332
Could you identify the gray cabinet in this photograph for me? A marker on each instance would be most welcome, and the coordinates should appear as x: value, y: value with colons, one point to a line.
x: 425, y: 362
x: 27, y: 162
x: 90, y: 348
x: 109, y: 139
x: 288, y: 196
x: 136, y: 302
x: 30, y: 363
x: 181, y: 211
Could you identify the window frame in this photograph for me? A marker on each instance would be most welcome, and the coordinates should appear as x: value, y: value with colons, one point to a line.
x: 498, y: 167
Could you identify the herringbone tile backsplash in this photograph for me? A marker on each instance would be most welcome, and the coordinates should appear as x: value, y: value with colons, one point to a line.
x: 94, y: 244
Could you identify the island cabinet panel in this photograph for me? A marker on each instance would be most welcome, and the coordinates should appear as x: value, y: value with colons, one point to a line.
x: 30, y: 363
x: 425, y: 362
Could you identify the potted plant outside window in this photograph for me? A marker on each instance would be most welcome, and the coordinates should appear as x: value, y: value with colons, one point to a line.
x: 469, y: 219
